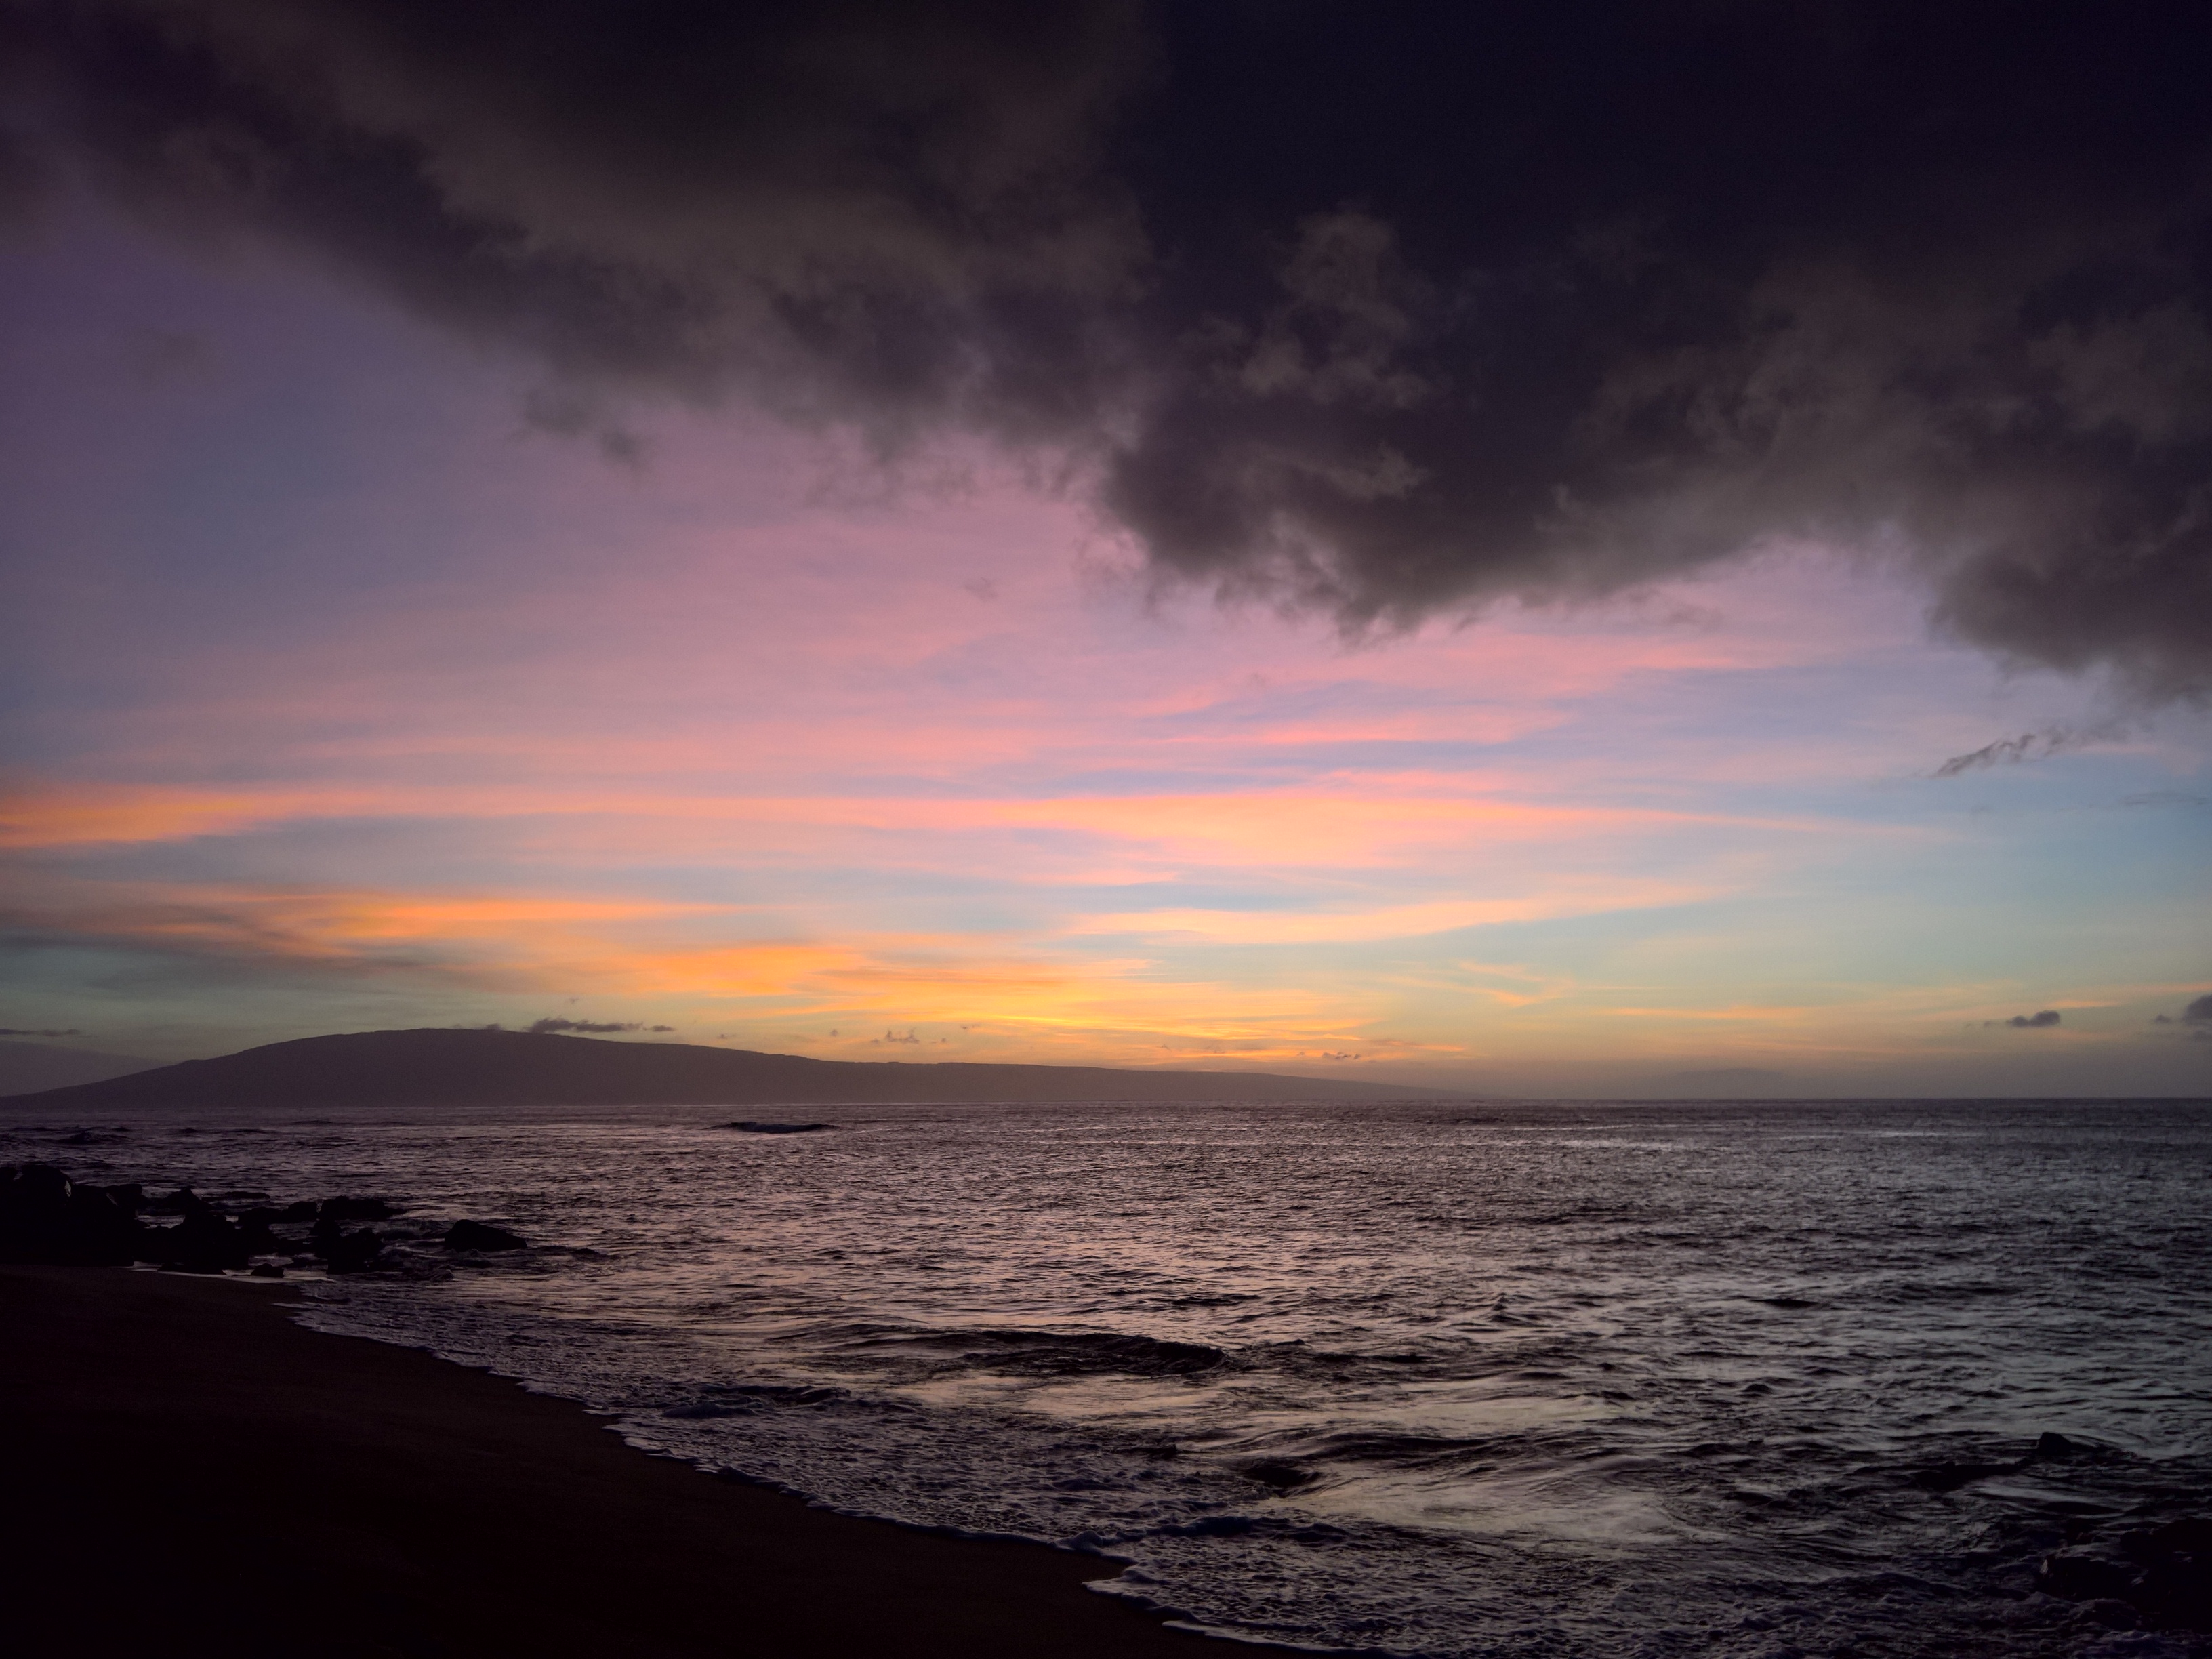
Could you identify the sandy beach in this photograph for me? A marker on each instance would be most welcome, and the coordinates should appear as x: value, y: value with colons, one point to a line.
x: 191, y: 1472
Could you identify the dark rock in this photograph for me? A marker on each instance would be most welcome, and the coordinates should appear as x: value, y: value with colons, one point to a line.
x: 293, y: 1213
x: 2112, y: 1614
x: 2055, y: 1448
x: 356, y: 1252
x: 354, y: 1209
x: 344, y: 1252
x: 2191, y: 1535
x: 180, y: 1202
x: 266, y: 1270
x: 45, y: 1217
x: 480, y: 1235
x: 41, y: 1184
x: 2176, y: 1593
x: 129, y: 1196
x: 2081, y: 1575
x: 202, y: 1243
x: 753, y: 1126
x: 2163, y: 1574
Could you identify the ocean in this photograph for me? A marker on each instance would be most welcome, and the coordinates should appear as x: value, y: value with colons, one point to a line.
x: 1498, y: 1378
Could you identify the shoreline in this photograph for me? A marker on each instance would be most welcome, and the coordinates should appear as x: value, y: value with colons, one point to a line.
x: 189, y: 1459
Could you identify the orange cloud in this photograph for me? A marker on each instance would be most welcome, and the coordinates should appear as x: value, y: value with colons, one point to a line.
x: 34, y: 813
x: 1396, y: 921
x: 500, y: 933
x: 76, y: 816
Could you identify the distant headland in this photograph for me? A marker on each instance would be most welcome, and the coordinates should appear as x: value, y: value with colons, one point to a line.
x: 445, y: 1068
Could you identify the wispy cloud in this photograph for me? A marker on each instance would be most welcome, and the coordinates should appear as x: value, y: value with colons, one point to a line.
x: 2013, y: 751
x: 552, y: 1023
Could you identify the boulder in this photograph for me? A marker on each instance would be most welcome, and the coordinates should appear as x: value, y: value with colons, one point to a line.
x: 354, y: 1209
x: 2176, y: 1593
x: 354, y: 1252
x: 202, y: 1243
x: 45, y: 1217
x: 40, y: 1183
x: 343, y: 1252
x: 2086, y: 1575
x: 2191, y: 1535
x: 2162, y: 1573
x: 254, y: 1227
x: 482, y: 1236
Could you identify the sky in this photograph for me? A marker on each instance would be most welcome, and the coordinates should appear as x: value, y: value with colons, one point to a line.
x: 954, y: 533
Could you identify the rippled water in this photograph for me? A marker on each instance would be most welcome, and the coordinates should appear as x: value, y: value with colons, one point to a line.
x: 1540, y: 1379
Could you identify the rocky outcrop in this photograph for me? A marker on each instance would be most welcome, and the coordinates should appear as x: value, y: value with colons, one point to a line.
x: 2162, y: 1574
x: 342, y: 1252
x: 45, y: 1217
x: 354, y: 1209
x: 482, y: 1236
x: 202, y: 1243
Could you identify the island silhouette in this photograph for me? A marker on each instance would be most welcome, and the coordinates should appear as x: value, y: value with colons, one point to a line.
x: 465, y: 1068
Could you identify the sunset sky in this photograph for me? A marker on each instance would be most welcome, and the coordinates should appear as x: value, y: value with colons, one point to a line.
x: 361, y: 670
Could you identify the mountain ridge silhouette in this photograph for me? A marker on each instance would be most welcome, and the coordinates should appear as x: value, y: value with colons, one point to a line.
x: 442, y: 1067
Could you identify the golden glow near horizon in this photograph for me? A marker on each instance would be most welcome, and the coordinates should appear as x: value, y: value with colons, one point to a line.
x: 931, y: 774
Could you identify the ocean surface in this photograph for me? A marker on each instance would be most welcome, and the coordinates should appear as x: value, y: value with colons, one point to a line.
x: 1485, y: 1378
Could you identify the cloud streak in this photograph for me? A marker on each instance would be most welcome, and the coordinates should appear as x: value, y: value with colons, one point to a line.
x: 552, y: 1024
x: 1538, y: 323
x: 2011, y: 751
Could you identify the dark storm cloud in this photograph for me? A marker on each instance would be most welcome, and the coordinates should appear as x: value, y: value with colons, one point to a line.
x: 2198, y: 1012
x: 1377, y: 312
x: 2041, y: 1021
x: 10, y: 1031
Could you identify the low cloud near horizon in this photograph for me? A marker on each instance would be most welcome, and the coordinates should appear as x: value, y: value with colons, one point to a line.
x: 590, y: 1027
x: 1384, y: 318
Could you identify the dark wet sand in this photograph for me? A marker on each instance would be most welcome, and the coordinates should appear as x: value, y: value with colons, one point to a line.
x: 188, y: 1472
